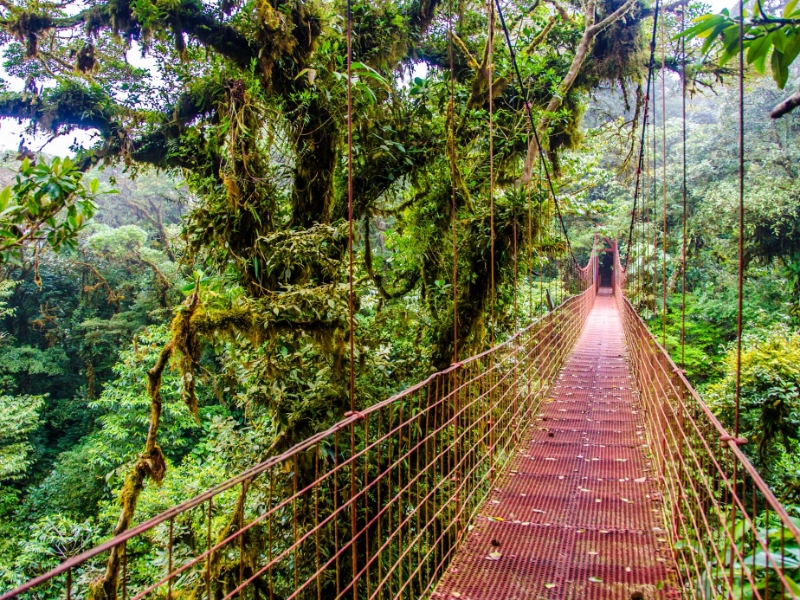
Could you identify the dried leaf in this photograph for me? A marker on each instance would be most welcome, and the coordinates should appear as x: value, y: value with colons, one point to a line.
x: 595, y: 580
x: 494, y: 556
x: 550, y: 586
x: 641, y: 480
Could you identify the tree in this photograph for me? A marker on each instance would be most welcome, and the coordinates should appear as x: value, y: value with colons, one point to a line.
x: 766, y: 38
x: 47, y: 203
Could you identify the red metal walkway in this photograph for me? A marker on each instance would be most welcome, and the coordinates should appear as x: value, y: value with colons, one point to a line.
x: 578, y: 512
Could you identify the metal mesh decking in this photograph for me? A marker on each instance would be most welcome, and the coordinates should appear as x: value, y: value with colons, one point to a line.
x: 578, y: 512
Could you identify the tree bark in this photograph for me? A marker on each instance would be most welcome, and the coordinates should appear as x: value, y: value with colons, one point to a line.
x: 589, y: 34
x: 786, y: 106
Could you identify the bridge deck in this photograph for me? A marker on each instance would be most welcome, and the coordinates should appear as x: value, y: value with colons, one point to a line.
x: 578, y: 512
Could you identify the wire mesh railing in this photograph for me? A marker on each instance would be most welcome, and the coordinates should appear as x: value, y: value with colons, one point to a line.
x: 731, y: 537
x: 374, y: 507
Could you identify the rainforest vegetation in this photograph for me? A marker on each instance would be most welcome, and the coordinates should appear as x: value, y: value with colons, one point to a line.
x: 174, y: 299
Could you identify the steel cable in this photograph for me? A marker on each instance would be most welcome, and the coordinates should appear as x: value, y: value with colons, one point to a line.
x: 527, y: 104
x: 651, y: 65
x: 740, y: 278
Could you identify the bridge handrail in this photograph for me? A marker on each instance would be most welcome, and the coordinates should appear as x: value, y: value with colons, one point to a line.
x: 724, y: 435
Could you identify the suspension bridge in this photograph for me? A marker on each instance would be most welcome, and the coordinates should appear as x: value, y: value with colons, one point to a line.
x: 573, y: 460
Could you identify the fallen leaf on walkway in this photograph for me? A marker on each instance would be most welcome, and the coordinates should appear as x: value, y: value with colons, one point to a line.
x: 595, y: 580
x: 537, y: 510
x: 455, y: 594
x: 584, y: 490
x: 494, y: 556
x: 549, y: 458
x: 641, y: 480
x: 550, y: 586
x: 626, y: 500
x: 496, y: 519
x: 621, y: 460
x: 597, y: 500
x: 525, y: 523
x: 593, y: 553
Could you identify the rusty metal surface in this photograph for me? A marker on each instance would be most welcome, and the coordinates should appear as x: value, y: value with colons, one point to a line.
x: 578, y: 512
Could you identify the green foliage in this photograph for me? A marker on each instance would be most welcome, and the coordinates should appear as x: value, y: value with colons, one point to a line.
x: 770, y: 395
x: 766, y: 38
x: 48, y: 202
x: 6, y: 289
x: 19, y: 416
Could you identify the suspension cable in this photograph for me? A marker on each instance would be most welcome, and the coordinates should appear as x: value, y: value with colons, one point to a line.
x: 541, y: 240
x: 683, y: 189
x: 640, y: 166
x: 490, y: 64
x: 664, y: 188
x: 542, y: 157
x: 740, y: 282
x: 530, y: 250
x: 350, y: 196
x: 655, y: 207
x: 453, y: 167
x: 351, y: 303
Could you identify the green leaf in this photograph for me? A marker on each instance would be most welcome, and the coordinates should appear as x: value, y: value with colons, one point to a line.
x: 780, y: 40
x: 780, y: 70
x: 730, y: 43
x: 711, y: 38
x: 367, y: 71
x: 757, y: 52
x: 792, y: 48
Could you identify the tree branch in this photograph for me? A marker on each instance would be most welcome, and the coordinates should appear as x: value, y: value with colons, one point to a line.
x: 786, y: 106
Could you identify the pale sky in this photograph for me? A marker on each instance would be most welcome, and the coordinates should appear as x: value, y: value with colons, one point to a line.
x: 10, y: 130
